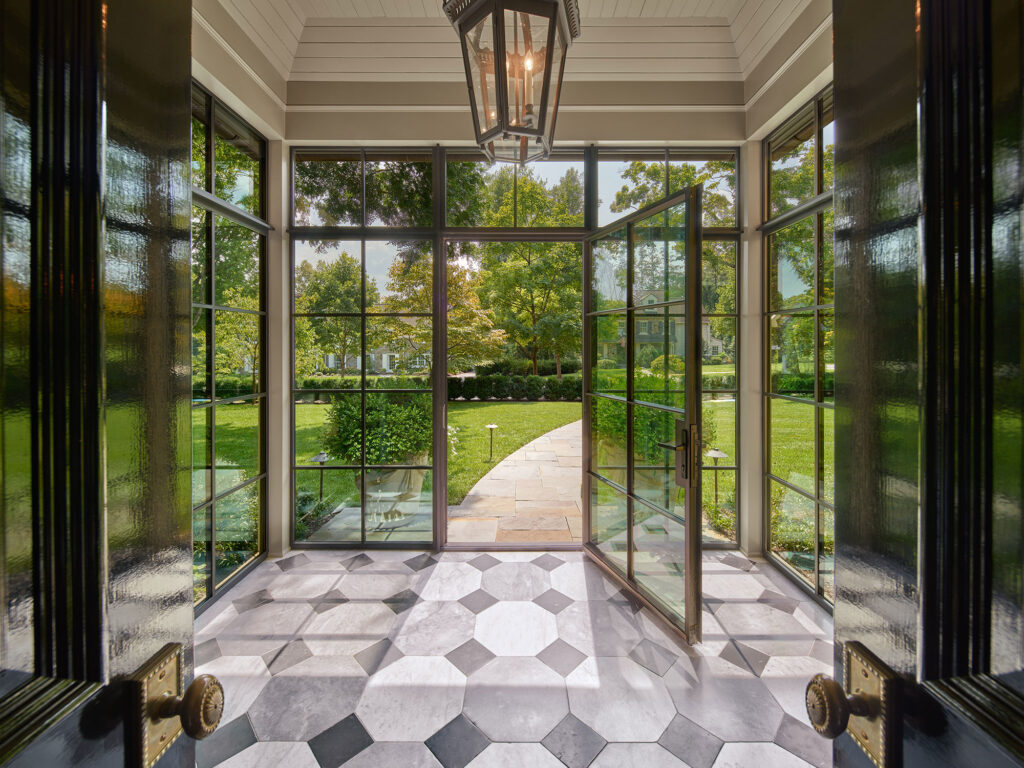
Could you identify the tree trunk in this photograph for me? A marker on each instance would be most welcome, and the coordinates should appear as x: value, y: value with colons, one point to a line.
x: 558, y: 364
x: 533, y: 359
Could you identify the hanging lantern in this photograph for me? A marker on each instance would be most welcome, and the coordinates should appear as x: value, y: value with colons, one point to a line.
x: 514, y: 52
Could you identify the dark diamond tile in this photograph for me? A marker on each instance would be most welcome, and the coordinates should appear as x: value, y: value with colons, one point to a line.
x: 734, y: 656
x: 357, y: 562
x: 254, y: 600
x: 483, y: 562
x: 292, y: 562
x: 626, y: 600
x: 823, y: 652
x: 651, y: 655
x: 553, y: 601
x: 457, y: 743
x: 403, y: 601
x: 755, y: 659
x: 737, y: 562
x: 561, y: 657
x: 226, y: 741
x: 420, y: 562
x: 691, y: 743
x: 340, y: 743
x: 469, y: 657
x: 478, y: 601
x: 779, y: 601
x: 378, y: 656
x: 206, y: 652
x: 548, y: 562
x: 279, y: 660
x: 804, y: 742
x: 713, y: 603
x: 574, y: 742
x: 328, y: 600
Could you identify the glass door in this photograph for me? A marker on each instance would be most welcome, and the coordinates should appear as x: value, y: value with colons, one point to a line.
x: 642, y: 408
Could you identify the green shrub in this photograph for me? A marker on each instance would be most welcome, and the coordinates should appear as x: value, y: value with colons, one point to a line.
x: 455, y: 388
x: 719, y: 381
x: 569, y: 388
x: 501, y: 386
x: 469, y: 387
x: 645, y: 355
x: 675, y: 363
x: 606, y: 362
x: 534, y: 387
x: 522, y: 367
x: 398, y: 429
x: 518, y: 387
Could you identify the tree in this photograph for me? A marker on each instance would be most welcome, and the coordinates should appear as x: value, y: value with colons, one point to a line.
x: 238, y: 336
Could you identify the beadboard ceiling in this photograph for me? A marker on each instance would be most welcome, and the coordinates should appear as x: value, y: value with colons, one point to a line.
x: 411, y: 40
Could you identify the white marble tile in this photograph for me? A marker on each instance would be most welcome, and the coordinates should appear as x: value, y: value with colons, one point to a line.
x: 348, y: 628
x: 411, y: 699
x: 637, y: 756
x: 365, y: 584
x: 516, y: 756
x: 515, y: 629
x: 434, y: 628
x: 599, y: 628
x: 620, y: 699
x: 516, y: 581
x: 292, y: 754
x: 516, y: 699
x: 243, y: 678
x: 385, y: 754
x: 450, y: 581
x: 787, y: 678
x: 762, y: 755
x: 302, y: 585
x: 582, y: 581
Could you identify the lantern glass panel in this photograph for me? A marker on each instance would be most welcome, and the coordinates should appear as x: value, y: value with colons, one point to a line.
x: 479, y: 53
x: 557, y: 60
x: 526, y: 42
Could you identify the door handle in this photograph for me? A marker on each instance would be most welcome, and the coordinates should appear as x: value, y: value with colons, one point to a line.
x: 866, y: 704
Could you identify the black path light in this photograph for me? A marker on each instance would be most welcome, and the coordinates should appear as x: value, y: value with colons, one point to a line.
x: 514, y: 52
x: 321, y: 458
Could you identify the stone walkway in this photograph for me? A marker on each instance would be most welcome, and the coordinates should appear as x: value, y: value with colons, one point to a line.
x: 532, y: 495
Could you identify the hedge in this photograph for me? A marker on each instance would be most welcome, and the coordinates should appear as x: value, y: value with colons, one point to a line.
x: 501, y: 387
x: 525, y: 368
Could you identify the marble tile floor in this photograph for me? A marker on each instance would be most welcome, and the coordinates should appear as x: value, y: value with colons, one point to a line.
x: 396, y: 659
x: 530, y: 496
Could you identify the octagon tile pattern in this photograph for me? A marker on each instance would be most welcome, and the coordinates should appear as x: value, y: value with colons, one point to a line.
x: 505, y: 660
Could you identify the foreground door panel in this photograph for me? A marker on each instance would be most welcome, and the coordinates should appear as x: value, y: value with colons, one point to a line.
x: 642, y: 405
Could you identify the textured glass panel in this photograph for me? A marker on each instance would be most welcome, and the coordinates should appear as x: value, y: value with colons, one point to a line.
x: 826, y: 331
x: 718, y: 491
x: 718, y: 277
x: 201, y: 388
x: 239, y: 253
x: 609, y: 523
x: 327, y: 353
x: 239, y: 346
x: 238, y: 162
x: 654, y: 459
x: 200, y: 118
x: 718, y: 352
x: 237, y: 530
x: 828, y: 142
x: 609, y: 261
x: 399, y: 190
x: 792, y: 165
x: 398, y: 505
x: 200, y: 555
x: 328, y: 190
x: 659, y: 257
x: 717, y: 172
x: 609, y: 338
x: 480, y: 193
x: 791, y: 355
x: 399, y: 428
x: 826, y: 559
x: 398, y: 352
x: 659, y: 559
x: 828, y: 454
x: 328, y: 276
x: 327, y: 505
x: 791, y: 529
x: 659, y: 354
x: 627, y: 182
x: 202, y: 455
x: 791, y: 266
x: 608, y: 421
x: 827, y: 266
x: 328, y: 430
x: 792, y: 442
x: 550, y: 194
x: 200, y: 256
x: 237, y: 442
x: 399, y: 276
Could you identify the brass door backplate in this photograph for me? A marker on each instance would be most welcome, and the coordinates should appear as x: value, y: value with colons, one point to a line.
x: 161, y: 676
x: 878, y: 731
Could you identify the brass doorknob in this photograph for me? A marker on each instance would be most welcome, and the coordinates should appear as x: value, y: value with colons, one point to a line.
x: 200, y: 709
x: 829, y: 708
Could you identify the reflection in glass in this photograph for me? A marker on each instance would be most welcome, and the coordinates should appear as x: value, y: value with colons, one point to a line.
x: 200, y: 118
x: 202, y: 455
x: 791, y: 529
x: 826, y: 559
x: 398, y: 352
x: 717, y: 172
x: 791, y: 266
x: 200, y: 554
x: 792, y: 166
x: 659, y: 257
x: 828, y: 141
x: 237, y: 354
x: 238, y: 162
x: 655, y: 435
x: 398, y: 504
x: 328, y: 276
x: 237, y: 439
x: 718, y: 277
x: 791, y: 355
x: 827, y: 266
x: 399, y: 190
x: 609, y: 523
x: 608, y: 421
x: 238, y: 256
x: 399, y: 277
x: 328, y: 189
x: 718, y: 352
x: 327, y: 353
x: 827, y: 334
x: 659, y: 352
x: 327, y: 505
x: 659, y: 559
x: 201, y: 389
x: 609, y: 339
x: 237, y: 530
x: 791, y: 427
x: 200, y: 256
x: 609, y: 257
x: 828, y: 451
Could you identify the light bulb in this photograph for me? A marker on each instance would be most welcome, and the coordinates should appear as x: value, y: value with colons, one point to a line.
x: 529, y: 63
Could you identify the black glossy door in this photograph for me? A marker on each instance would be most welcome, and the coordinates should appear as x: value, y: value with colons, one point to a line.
x: 929, y: 535
x: 94, y: 382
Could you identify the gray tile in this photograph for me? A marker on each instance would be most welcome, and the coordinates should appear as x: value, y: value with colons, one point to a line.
x: 393, y: 754
x: 293, y: 754
x: 734, y: 656
x: 485, y: 561
x: 206, y: 652
x: 561, y: 657
x: 434, y: 628
x: 516, y: 755
x: 619, y: 699
x: 243, y: 678
x: 651, y: 655
x: 469, y: 657
x: 804, y: 742
x: 574, y: 742
x: 525, y: 710
x: 755, y: 659
x: 457, y: 743
x: 328, y: 600
x: 356, y: 562
x: 340, y: 743
x: 378, y: 656
x: 762, y: 755
x: 253, y: 600
x: 516, y: 581
x: 419, y: 562
x: 548, y: 562
x: 554, y: 601
x: 403, y: 601
x: 737, y: 562
x: 627, y: 600
x: 823, y: 651
x: 637, y: 756
x: 691, y: 743
x: 412, y: 698
x: 757, y: 619
x: 778, y: 601
x: 734, y: 706
x: 290, y: 655
x: 599, y: 628
x: 227, y: 740
x: 478, y: 601
x: 294, y: 561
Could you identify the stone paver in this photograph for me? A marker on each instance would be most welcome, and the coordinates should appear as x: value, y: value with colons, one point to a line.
x: 532, y: 495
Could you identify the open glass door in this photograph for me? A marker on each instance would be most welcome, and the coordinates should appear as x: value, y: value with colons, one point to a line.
x: 641, y: 360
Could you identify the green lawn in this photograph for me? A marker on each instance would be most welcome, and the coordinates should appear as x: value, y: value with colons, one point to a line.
x: 518, y: 424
